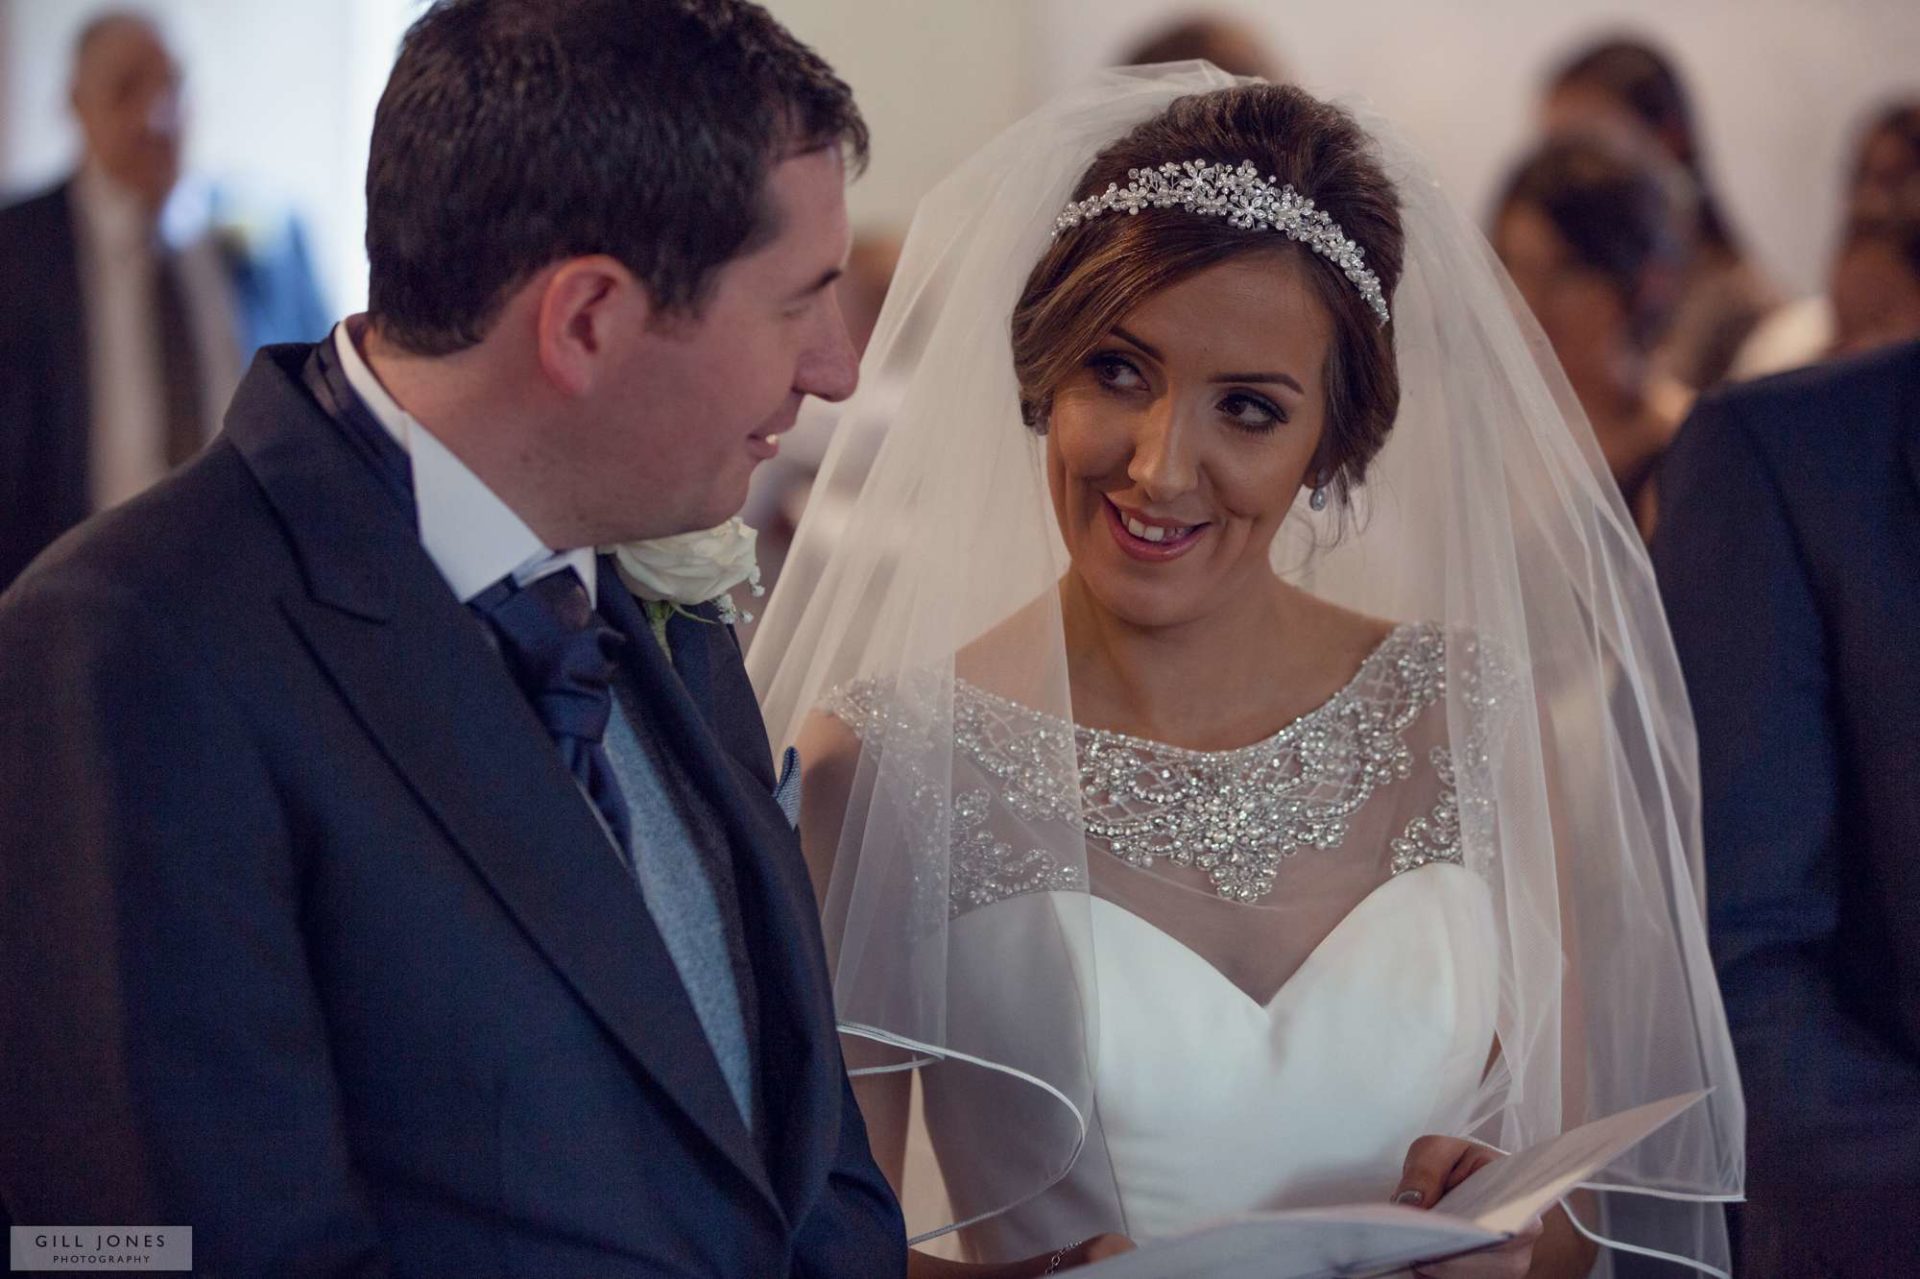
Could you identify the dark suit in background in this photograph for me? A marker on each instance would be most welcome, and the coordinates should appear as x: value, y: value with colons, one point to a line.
x: 1789, y: 559
x: 312, y: 943
x: 46, y: 417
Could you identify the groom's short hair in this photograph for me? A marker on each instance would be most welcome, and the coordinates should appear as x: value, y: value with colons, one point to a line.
x: 517, y: 133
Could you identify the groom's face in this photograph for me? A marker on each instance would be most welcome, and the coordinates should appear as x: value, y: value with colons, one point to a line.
x: 709, y: 394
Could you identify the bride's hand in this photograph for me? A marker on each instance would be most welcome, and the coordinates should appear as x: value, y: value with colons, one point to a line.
x: 1436, y: 1165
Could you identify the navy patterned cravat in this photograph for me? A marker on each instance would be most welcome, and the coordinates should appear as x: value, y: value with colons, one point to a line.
x: 562, y: 655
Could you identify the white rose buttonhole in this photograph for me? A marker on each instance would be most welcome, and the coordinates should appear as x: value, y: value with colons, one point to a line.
x: 674, y: 574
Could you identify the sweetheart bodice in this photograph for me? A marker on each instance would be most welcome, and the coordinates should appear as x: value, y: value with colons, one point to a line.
x: 1253, y: 975
x: 1212, y: 1103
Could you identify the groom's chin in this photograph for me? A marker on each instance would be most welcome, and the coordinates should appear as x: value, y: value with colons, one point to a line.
x: 723, y: 500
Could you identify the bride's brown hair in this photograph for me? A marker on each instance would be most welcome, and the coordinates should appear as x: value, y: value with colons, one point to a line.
x: 1092, y: 276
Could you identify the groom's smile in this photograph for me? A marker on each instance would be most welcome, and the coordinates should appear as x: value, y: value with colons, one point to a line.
x: 713, y: 392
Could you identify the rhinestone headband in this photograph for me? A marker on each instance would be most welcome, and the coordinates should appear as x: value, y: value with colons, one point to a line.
x: 1244, y: 199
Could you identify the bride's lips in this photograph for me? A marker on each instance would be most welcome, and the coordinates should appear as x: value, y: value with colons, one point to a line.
x: 764, y: 447
x: 1170, y: 547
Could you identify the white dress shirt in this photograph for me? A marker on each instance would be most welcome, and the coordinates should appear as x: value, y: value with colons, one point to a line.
x: 471, y: 535
x: 118, y: 241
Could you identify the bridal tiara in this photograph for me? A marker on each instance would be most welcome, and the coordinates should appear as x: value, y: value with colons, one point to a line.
x: 1245, y: 199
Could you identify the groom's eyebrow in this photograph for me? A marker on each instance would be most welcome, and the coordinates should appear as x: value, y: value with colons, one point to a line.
x: 827, y: 277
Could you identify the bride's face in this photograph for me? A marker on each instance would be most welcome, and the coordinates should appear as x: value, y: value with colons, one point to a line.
x: 1177, y: 449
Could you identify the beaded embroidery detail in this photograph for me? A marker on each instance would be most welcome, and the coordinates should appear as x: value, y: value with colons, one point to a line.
x: 1237, y: 815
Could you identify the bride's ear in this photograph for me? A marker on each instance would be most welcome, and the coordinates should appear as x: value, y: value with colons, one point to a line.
x: 1036, y: 413
x: 1321, y: 472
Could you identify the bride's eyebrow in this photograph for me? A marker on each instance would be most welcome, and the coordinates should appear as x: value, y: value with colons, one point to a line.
x: 1281, y: 379
x: 1277, y: 379
x: 1131, y: 340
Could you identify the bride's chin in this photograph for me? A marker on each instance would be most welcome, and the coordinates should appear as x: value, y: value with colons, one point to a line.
x: 1142, y: 605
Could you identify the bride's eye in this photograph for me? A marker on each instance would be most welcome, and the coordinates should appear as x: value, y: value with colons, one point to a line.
x: 1251, y: 412
x: 1115, y: 372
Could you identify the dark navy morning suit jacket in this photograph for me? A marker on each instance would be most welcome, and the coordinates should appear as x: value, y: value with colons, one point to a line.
x: 311, y: 942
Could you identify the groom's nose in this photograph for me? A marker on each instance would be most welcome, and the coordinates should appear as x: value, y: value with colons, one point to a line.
x: 829, y: 366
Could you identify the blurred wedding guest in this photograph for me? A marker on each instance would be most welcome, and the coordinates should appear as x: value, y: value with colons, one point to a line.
x: 1594, y: 233
x: 123, y: 333
x: 1876, y: 282
x: 1882, y: 181
x: 1886, y: 169
x: 1627, y: 88
x: 1790, y: 566
x: 1234, y: 47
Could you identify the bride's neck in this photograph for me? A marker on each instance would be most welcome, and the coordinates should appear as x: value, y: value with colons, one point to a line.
x: 1200, y: 683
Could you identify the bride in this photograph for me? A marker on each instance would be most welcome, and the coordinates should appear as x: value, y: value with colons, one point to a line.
x: 1240, y: 732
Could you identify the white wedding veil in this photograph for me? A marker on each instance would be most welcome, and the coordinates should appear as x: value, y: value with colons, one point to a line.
x: 1489, y: 512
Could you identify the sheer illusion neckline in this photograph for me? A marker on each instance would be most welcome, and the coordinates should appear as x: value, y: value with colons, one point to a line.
x: 1351, y: 691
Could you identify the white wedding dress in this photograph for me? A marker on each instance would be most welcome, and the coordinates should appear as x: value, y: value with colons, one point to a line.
x: 1141, y: 987
x: 1297, y: 975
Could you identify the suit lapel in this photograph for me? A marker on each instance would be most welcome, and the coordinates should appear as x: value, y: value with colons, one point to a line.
x: 418, y: 672
x: 706, y: 653
x: 798, y: 1062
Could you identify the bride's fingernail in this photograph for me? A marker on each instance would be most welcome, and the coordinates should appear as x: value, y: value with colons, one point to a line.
x: 1409, y: 1197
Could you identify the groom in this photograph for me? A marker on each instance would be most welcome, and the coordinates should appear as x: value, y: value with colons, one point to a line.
x: 378, y: 895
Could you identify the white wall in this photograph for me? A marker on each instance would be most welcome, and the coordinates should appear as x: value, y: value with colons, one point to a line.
x: 1778, y: 84
x: 286, y: 88
x: 935, y: 80
x: 281, y: 94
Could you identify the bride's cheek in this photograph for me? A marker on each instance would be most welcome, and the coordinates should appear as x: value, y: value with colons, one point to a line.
x: 1092, y: 443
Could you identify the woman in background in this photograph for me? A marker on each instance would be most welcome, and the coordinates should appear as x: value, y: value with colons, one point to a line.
x: 1872, y: 277
x: 1594, y: 235
x: 1629, y: 90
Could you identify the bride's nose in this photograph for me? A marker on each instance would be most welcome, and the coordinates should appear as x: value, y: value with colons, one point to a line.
x: 1164, y: 464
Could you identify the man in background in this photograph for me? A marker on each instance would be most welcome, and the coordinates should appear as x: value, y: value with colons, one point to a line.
x: 1789, y: 561
x: 120, y: 344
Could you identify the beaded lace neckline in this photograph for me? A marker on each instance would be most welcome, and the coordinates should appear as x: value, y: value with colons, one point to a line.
x: 1293, y: 727
x: 1236, y: 814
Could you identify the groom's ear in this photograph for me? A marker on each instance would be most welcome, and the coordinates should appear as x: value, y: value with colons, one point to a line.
x: 587, y: 308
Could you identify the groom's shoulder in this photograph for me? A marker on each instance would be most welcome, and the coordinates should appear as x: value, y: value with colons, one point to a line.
x: 196, y: 551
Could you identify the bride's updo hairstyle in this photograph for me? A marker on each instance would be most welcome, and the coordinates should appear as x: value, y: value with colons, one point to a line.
x: 1094, y: 274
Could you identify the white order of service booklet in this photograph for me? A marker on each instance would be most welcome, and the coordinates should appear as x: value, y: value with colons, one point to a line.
x: 1377, y: 1239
